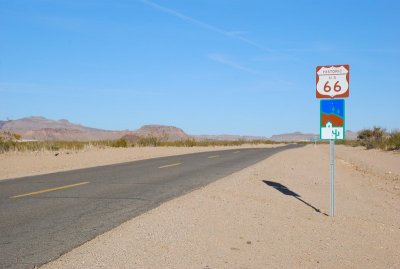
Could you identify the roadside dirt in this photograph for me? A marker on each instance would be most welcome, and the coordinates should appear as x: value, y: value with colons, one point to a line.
x: 249, y: 219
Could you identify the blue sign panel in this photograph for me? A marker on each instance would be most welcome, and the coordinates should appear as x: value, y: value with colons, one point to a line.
x: 332, y: 119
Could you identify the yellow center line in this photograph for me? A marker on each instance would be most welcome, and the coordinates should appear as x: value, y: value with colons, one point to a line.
x: 214, y: 156
x: 169, y: 165
x: 237, y: 151
x: 49, y: 190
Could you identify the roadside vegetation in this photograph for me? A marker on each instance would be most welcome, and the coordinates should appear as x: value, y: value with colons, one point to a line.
x: 8, y: 141
x: 376, y: 138
x: 13, y: 142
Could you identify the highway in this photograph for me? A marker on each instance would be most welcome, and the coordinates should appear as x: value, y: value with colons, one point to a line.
x: 42, y: 217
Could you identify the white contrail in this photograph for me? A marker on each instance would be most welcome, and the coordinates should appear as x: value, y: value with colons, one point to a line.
x: 223, y: 60
x: 233, y: 35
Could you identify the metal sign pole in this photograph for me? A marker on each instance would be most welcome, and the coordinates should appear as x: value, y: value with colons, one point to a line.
x: 332, y: 146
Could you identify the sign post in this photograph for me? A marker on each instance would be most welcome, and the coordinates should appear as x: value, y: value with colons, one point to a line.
x: 332, y: 148
x: 332, y: 82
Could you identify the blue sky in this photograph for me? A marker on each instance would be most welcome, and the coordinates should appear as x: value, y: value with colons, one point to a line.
x: 207, y: 66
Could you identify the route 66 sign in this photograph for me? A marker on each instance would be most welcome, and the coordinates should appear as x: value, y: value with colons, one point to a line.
x: 333, y: 81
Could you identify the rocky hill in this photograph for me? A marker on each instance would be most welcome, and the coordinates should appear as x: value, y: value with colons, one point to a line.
x: 40, y: 128
x: 296, y: 136
x: 38, y: 123
x: 43, y: 129
x: 161, y: 132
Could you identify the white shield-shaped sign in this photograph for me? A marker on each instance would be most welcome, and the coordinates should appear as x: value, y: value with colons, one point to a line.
x: 333, y: 81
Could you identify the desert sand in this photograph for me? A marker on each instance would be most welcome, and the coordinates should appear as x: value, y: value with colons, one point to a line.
x: 242, y: 222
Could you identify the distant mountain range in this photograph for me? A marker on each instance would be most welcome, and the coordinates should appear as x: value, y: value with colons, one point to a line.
x: 40, y: 128
x: 162, y: 132
x: 295, y: 136
x: 43, y: 129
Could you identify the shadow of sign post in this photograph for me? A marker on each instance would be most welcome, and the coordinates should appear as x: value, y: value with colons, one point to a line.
x: 286, y: 191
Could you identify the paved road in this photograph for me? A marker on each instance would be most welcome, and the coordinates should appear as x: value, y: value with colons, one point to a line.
x: 42, y: 217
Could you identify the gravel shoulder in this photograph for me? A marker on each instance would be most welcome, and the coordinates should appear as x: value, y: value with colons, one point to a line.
x: 242, y: 222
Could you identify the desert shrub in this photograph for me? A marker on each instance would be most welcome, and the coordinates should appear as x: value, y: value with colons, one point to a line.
x: 120, y: 143
x: 11, y: 142
x: 179, y: 143
x: 51, y: 145
x: 149, y: 141
x: 8, y: 141
x: 379, y: 138
x: 393, y: 142
x: 189, y: 143
x: 372, y: 138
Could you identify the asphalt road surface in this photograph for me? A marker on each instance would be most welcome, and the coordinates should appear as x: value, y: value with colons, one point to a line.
x: 42, y: 217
